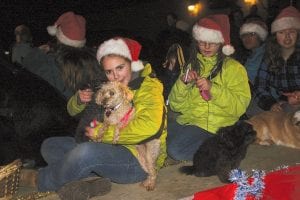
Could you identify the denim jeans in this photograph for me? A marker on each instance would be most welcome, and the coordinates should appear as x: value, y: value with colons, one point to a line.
x: 184, y: 140
x: 68, y: 161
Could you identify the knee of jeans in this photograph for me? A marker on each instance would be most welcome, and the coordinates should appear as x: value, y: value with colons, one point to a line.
x: 46, y: 145
x: 83, y: 151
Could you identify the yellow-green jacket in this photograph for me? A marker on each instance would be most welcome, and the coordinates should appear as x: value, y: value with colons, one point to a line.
x: 230, y: 93
x: 149, y: 104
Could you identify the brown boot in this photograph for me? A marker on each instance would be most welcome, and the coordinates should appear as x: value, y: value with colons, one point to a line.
x: 85, y: 188
x: 28, y: 178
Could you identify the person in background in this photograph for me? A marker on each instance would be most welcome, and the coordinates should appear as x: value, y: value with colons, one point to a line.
x: 278, y: 82
x: 49, y: 63
x: 236, y: 17
x: 71, y: 166
x: 172, y: 68
x: 176, y: 33
x: 23, y: 44
x: 212, y: 93
x: 253, y: 34
x: 253, y: 14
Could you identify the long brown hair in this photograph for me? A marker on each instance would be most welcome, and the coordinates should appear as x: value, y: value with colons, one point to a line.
x: 273, y: 57
x: 79, y: 67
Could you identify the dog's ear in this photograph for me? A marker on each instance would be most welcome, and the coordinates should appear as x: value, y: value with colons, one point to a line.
x: 127, y: 92
x: 98, y: 97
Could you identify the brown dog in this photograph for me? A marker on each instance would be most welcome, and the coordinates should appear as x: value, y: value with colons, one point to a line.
x: 279, y: 128
x: 116, y: 99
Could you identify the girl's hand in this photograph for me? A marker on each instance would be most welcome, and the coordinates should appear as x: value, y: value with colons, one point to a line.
x: 189, y: 77
x: 293, y: 97
x: 203, y: 84
x: 84, y: 96
x: 90, y: 132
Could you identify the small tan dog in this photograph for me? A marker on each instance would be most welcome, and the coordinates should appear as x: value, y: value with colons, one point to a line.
x: 278, y: 128
x: 116, y: 100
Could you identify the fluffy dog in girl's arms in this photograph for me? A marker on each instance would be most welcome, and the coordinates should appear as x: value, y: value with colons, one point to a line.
x: 112, y: 105
x: 118, y: 110
x: 219, y: 154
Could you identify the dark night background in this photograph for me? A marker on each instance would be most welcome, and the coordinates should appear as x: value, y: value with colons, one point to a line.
x: 140, y: 18
x: 103, y: 17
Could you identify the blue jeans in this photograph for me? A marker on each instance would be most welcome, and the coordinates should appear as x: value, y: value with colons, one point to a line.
x: 184, y: 140
x: 69, y: 161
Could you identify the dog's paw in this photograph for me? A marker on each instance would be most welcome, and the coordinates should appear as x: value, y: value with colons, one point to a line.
x: 149, y: 184
x: 264, y: 142
x: 115, y: 140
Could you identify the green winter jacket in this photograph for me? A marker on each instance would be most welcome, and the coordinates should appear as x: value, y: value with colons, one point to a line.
x: 230, y: 93
x: 149, y: 108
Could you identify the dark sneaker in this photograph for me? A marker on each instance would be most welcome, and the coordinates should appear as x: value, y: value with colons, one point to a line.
x: 170, y: 161
x: 85, y: 188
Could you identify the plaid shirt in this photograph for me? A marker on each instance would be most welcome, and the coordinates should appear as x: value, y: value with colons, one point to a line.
x: 270, y: 85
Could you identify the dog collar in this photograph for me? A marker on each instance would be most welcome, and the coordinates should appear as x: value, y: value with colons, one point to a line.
x: 125, y: 118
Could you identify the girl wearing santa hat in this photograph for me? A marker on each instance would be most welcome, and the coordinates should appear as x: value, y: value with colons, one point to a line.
x: 253, y: 34
x: 278, y: 82
x: 212, y: 92
x: 69, y: 163
x: 57, y: 62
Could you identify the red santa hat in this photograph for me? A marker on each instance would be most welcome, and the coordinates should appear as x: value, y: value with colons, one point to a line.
x: 215, y: 29
x: 256, y: 26
x: 125, y: 47
x: 289, y: 17
x: 69, y: 29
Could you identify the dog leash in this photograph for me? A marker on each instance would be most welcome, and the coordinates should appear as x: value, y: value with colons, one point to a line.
x: 125, y: 118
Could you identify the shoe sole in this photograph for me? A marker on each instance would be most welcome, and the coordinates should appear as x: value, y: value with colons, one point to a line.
x: 85, y: 188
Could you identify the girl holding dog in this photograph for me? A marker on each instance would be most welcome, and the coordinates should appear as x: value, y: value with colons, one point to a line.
x: 278, y: 82
x: 69, y: 162
x: 213, y: 91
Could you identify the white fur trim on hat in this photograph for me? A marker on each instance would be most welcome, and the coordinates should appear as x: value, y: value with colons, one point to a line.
x: 137, y: 66
x: 254, y: 28
x: 207, y: 35
x: 228, y: 50
x: 67, y: 41
x: 118, y: 47
x: 113, y: 46
x: 285, y: 23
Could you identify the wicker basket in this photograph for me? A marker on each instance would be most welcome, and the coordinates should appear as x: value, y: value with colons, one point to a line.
x: 9, y: 179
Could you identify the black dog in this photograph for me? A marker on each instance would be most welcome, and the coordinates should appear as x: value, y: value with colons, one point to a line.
x: 31, y: 110
x: 90, y: 113
x: 223, y: 152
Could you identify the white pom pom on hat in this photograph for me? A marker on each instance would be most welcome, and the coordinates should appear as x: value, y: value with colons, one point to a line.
x: 125, y: 47
x: 216, y: 29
